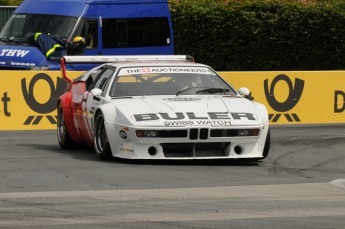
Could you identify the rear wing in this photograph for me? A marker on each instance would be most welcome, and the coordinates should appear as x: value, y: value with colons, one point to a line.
x: 120, y: 59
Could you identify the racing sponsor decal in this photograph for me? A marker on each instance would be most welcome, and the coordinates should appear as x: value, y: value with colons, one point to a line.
x: 198, y: 123
x: 126, y: 148
x: 77, y: 98
x: 155, y: 70
x: 190, y: 118
x: 123, y: 134
x: 294, y: 95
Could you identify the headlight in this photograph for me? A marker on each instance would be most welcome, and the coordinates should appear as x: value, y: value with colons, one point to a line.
x: 234, y: 132
x: 248, y: 132
x: 161, y: 133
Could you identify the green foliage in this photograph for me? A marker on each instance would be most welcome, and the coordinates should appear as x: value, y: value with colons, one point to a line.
x: 256, y: 35
x: 10, y: 2
x: 260, y: 34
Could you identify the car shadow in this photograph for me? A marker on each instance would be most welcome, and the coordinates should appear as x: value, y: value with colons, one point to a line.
x: 190, y: 162
x: 88, y: 153
x: 80, y: 153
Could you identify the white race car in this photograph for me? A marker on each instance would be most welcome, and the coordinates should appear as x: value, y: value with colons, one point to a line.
x: 159, y: 107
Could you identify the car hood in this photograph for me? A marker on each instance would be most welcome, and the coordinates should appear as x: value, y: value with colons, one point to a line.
x: 188, y: 111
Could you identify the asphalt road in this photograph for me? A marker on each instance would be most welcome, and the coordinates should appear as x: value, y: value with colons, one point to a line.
x: 300, y: 185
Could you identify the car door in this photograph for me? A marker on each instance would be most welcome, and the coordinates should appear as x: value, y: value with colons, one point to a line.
x: 79, y: 106
x: 77, y: 91
x: 91, y: 103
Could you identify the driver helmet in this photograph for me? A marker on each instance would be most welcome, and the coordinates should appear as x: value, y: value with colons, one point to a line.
x: 79, y: 39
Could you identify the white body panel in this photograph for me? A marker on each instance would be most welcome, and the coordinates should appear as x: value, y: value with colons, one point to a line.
x: 185, y: 113
x: 211, y: 122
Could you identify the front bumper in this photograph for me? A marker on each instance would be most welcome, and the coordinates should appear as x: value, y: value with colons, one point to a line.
x: 197, y: 143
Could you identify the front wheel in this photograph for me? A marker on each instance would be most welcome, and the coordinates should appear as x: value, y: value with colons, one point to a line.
x: 267, y: 145
x: 264, y: 152
x: 101, y: 140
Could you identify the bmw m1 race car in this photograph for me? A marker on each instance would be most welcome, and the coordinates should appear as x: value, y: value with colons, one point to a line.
x: 159, y: 107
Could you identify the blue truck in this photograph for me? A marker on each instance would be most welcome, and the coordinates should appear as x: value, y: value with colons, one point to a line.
x: 106, y: 27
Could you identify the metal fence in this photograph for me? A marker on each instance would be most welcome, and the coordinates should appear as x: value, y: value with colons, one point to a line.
x: 5, y: 13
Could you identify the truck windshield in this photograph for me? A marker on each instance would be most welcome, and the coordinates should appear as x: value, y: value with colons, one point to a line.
x: 21, y: 27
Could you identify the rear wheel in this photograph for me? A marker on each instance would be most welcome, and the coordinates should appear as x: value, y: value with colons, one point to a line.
x: 65, y: 140
x: 101, y: 140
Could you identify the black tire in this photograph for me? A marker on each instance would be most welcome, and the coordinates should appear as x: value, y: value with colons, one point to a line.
x: 64, y: 139
x: 101, y: 142
x: 265, y: 151
x: 267, y: 145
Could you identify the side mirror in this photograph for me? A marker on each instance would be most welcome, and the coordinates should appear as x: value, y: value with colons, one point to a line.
x: 245, y: 93
x: 96, y: 93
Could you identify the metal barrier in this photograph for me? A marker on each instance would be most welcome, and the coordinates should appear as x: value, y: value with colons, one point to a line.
x: 28, y: 98
x: 5, y: 14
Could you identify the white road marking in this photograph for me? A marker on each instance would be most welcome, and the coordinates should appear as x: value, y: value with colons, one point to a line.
x: 339, y: 183
x: 169, y: 205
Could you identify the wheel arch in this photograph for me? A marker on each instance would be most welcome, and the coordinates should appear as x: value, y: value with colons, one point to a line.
x: 262, y: 110
x: 65, y: 101
x: 108, y: 111
x: 105, y: 152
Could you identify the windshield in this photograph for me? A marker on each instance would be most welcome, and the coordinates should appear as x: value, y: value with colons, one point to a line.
x: 169, y: 81
x: 20, y: 27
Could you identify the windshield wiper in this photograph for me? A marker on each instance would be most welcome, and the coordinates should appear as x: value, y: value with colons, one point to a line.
x: 186, y: 89
x: 122, y: 97
x: 5, y: 39
x: 19, y: 42
x: 212, y: 90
